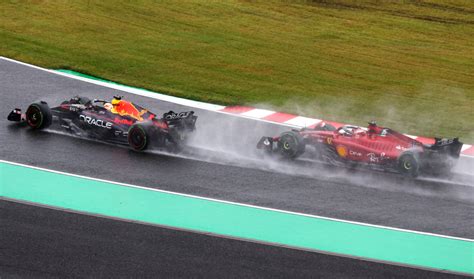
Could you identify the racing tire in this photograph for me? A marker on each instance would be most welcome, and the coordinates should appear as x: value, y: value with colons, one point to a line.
x: 291, y: 145
x: 38, y: 116
x: 139, y: 136
x: 408, y: 165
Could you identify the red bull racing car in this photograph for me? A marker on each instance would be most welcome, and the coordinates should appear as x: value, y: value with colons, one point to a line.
x: 377, y: 147
x: 118, y: 121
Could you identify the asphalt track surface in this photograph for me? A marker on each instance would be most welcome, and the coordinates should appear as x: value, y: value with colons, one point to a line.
x: 221, y: 163
x: 74, y: 245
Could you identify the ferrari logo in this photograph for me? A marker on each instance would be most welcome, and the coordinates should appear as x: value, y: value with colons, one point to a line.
x: 342, y: 151
x: 329, y: 140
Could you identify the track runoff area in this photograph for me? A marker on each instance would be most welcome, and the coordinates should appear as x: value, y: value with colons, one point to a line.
x: 210, y: 216
x: 117, y: 200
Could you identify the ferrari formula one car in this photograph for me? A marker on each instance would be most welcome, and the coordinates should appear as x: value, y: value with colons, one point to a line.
x: 375, y: 146
x: 118, y: 121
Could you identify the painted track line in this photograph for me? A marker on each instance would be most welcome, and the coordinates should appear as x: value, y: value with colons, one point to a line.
x: 146, y: 93
x: 211, y: 234
x: 236, y: 203
x: 162, y: 208
x: 268, y: 116
x: 136, y: 91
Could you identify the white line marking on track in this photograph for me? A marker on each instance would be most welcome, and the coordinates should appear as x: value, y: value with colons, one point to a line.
x: 172, y: 99
x: 231, y: 237
x: 258, y: 113
x: 303, y: 121
x: 136, y: 91
x: 236, y: 203
x: 465, y: 147
x: 150, y: 94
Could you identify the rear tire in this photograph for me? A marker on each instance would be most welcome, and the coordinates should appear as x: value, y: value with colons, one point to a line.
x: 408, y: 165
x: 139, y: 136
x: 291, y: 145
x: 38, y: 116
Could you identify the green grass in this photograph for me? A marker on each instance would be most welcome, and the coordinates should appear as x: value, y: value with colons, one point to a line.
x: 410, y: 66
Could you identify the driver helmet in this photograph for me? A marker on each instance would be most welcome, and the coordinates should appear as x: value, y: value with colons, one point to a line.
x: 108, y: 106
x: 345, y: 131
x: 116, y: 100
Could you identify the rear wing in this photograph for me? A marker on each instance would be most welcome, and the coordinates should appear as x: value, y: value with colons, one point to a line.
x: 450, y: 147
x: 185, y: 119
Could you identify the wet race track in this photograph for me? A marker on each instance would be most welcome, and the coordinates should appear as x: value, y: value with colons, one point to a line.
x: 221, y: 162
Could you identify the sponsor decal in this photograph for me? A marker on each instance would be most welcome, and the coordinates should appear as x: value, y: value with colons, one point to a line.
x: 73, y: 107
x: 97, y: 122
x: 373, y: 157
x: 341, y: 150
x: 376, y: 159
x: 174, y: 115
x: 355, y: 153
x: 118, y: 120
x: 399, y: 147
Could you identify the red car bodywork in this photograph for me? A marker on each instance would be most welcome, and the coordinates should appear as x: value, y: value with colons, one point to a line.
x: 360, y: 145
x: 374, y: 146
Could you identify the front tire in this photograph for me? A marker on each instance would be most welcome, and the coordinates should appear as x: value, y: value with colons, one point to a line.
x: 291, y: 145
x: 38, y: 116
x: 138, y: 136
x: 408, y: 165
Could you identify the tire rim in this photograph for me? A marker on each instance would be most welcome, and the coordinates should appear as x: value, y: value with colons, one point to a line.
x: 288, y: 143
x: 34, y: 117
x: 407, y: 165
x: 137, y: 138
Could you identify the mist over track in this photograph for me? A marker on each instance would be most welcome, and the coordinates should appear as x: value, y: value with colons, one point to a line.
x: 224, y: 165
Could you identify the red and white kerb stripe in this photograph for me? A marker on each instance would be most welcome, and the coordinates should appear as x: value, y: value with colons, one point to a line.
x: 301, y: 121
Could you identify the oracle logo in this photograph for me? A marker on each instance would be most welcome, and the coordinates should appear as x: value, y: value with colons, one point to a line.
x: 97, y: 122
